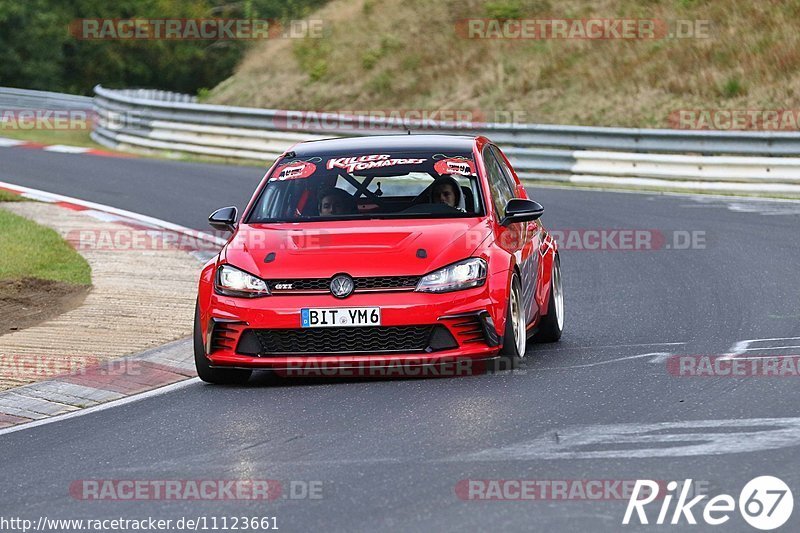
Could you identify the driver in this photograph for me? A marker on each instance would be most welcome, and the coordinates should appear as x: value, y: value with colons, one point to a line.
x: 333, y: 201
x: 445, y: 190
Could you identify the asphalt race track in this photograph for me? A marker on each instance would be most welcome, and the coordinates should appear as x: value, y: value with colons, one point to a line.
x: 390, y: 454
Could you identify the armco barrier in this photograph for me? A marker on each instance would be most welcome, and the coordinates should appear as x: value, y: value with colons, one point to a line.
x: 15, y: 99
x: 161, y: 121
x: 638, y: 158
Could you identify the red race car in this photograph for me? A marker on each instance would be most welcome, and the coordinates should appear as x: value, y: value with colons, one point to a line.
x: 388, y: 252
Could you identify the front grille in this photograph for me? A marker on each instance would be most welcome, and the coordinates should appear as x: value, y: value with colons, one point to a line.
x: 316, y: 284
x: 386, y: 282
x: 368, y: 339
x: 278, y: 286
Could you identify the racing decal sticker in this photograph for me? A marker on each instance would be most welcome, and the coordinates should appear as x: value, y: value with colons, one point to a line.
x: 460, y: 166
x: 365, y: 162
x: 294, y: 170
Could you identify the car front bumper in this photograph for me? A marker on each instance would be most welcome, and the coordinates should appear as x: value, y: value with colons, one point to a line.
x: 469, y: 318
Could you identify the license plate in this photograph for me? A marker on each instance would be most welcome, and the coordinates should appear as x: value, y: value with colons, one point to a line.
x: 341, y: 316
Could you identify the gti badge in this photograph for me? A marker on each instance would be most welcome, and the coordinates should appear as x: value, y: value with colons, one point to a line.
x: 342, y: 286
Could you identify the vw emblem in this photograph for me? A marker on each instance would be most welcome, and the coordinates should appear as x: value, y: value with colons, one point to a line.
x: 342, y: 286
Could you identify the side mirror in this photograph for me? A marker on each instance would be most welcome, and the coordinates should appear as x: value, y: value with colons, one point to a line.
x: 224, y: 219
x: 521, y: 210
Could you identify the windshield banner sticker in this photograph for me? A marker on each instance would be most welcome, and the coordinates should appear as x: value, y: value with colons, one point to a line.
x: 365, y: 162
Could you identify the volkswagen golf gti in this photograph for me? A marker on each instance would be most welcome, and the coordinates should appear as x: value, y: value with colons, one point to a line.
x: 357, y: 254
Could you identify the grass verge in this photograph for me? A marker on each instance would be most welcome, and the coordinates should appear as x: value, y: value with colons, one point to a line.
x: 34, y: 251
x: 6, y: 196
x: 43, y: 136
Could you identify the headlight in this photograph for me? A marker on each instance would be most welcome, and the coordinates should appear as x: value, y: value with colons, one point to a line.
x: 462, y: 275
x: 231, y: 281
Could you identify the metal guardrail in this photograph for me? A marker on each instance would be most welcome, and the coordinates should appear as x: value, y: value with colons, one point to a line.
x: 161, y: 121
x: 155, y: 94
x: 14, y: 99
x: 556, y: 136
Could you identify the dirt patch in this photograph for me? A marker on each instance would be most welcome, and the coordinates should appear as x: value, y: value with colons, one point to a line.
x: 30, y: 301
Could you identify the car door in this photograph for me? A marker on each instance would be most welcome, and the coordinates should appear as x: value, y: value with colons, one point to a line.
x: 529, y: 235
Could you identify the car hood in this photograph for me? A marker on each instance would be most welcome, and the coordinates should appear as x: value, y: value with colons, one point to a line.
x: 359, y: 248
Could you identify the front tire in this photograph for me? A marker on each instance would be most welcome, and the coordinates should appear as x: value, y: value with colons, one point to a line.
x: 551, y: 325
x: 219, y: 376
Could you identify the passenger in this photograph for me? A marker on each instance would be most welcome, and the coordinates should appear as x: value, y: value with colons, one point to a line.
x: 445, y: 190
x: 333, y: 201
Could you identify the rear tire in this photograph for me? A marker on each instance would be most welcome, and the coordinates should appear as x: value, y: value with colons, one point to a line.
x: 515, y: 337
x: 219, y: 376
x: 551, y: 325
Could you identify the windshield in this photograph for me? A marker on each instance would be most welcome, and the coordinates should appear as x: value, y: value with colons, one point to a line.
x: 370, y: 185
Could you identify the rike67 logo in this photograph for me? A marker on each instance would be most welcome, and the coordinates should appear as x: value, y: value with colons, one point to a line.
x: 765, y: 502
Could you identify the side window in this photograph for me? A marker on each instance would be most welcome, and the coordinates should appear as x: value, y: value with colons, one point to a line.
x: 504, y: 167
x: 500, y: 190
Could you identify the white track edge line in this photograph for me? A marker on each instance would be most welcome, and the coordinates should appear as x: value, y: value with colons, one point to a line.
x: 116, y: 211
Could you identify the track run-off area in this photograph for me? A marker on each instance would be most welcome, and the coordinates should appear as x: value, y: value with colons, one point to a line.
x: 625, y: 395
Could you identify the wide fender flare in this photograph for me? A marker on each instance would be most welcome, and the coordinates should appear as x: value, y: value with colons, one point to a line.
x: 547, y: 250
x: 205, y: 291
x: 501, y: 266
